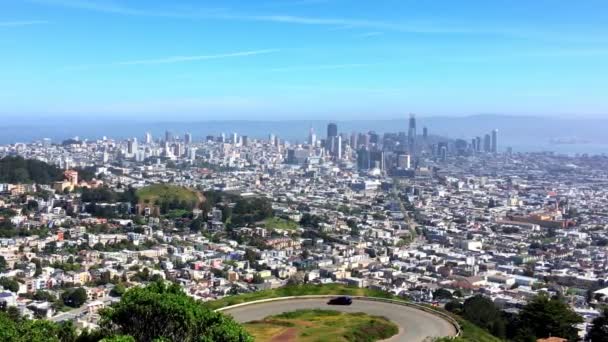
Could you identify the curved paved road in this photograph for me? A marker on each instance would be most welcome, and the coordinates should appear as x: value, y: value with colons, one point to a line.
x: 414, y: 325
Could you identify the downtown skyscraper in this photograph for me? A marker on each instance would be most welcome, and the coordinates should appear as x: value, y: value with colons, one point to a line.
x: 494, y: 144
x: 411, y: 135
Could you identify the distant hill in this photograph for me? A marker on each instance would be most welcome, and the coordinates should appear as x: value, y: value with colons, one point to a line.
x: 19, y: 170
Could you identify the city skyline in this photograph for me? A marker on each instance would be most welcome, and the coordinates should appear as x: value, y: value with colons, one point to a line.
x: 523, y: 134
x: 301, y: 59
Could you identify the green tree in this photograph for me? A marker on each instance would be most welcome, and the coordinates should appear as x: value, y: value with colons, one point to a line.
x: 354, y: 228
x: 454, y: 306
x: 44, y: 296
x: 74, y: 297
x: 20, y: 170
x: 251, y: 210
x: 442, y: 294
x: 544, y: 317
x: 599, y: 329
x: 197, y: 224
x: 8, y: 328
x: 3, y: 265
x: 99, y: 195
x: 38, y: 264
x: 161, y: 311
x: 121, y: 338
x: 9, y: 284
x: 482, y: 312
x: 24, y: 330
x: 118, y: 290
x: 310, y: 221
x: 296, y: 279
x: 251, y: 256
x: 257, y: 279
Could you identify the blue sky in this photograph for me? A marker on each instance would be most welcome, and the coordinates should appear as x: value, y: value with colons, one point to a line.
x: 321, y: 59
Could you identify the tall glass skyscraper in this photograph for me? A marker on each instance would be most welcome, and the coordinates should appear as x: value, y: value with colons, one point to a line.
x: 411, y: 135
x: 332, y: 130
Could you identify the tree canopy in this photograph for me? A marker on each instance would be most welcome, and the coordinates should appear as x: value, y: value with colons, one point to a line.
x: 162, y: 311
x: 545, y: 317
x: 3, y: 265
x: 482, y: 312
x: 19, y: 170
x: 74, y: 297
x: 158, y: 312
x: 599, y: 329
x: 15, y: 329
x: 9, y: 284
x: 251, y: 210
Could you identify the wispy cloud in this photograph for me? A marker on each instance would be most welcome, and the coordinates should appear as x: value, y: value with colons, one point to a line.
x: 114, y: 8
x: 347, y: 22
x: 370, y: 34
x: 406, y: 26
x: 18, y: 23
x: 295, y: 3
x: 181, y: 59
x: 224, y: 14
x: 174, y: 59
x: 319, y: 67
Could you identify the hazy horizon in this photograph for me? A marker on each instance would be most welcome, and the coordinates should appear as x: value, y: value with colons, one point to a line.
x: 522, y: 133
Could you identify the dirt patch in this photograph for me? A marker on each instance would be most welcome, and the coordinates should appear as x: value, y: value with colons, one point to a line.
x: 288, y: 335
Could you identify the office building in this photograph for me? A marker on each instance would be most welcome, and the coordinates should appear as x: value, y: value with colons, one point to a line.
x: 335, y: 147
x: 404, y: 161
x: 312, y: 137
x: 332, y: 133
x: 442, y: 148
x: 487, y: 143
x: 332, y: 130
x: 376, y: 160
x: 363, y: 140
x: 374, y: 138
x: 131, y: 146
x: 353, y: 140
x: 363, y: 159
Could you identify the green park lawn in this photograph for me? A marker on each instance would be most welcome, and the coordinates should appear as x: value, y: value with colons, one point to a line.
x: 280, y: 223
x: 322, y: 325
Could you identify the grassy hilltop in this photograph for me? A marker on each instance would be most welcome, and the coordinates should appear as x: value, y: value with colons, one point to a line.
x: 169, y: 197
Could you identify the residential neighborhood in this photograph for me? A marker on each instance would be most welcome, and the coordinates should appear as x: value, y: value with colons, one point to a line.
x: 82, y: 221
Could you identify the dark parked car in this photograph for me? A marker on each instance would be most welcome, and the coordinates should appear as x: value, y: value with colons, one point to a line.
x: 340, y: 301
